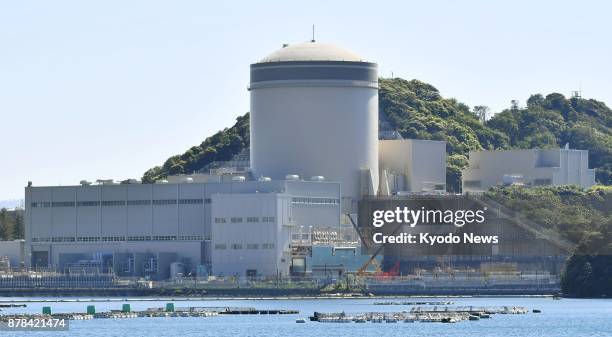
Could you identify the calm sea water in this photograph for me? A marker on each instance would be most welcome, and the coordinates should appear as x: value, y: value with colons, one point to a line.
x: 567, y: 317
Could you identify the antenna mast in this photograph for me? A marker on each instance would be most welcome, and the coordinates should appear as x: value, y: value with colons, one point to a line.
x: 313, y: 34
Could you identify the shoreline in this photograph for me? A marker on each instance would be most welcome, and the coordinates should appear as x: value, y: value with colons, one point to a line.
x: 76, y: 299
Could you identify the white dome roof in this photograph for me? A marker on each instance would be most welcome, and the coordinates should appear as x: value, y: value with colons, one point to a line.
x: 312, y: 51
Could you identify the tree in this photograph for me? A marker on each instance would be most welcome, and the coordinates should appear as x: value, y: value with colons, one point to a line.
x: 482, y: 112
x: 19, y: 227
x: 5, y: 225
x: 535, y: 100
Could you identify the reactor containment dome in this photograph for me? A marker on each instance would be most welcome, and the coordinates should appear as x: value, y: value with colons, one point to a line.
x: 314, y: 112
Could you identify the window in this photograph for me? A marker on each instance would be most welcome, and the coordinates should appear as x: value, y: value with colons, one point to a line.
x: 192, y: 238
x: 236, y: 246
x: 268, y: 219
x: 220, y: 246
x: 191, y: 201
x: 267, y: 246
x: 219, y: 220
x: 207, y: 201
x: 252, y: 246
x: 41, y: 204
x: 236, y: 220
x: 113, y: 203
x: 63, y: 204
x: 542, y: 181
x: 88, y: 203
x: 164, y: 202
x: 471, y: 183
x: 138, y: 202
x: 164, y: 238
x: 113, y: 238
x: 88, y: 239
x: 41, y: 239
x: 63, y: 239
x: 252, y: 219
x: 315, y: 200
x: 139, y: 238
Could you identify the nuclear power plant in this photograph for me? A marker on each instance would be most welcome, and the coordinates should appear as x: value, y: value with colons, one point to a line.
x: 314, y: 111
x: 314, y: 154
x: 289, y: 208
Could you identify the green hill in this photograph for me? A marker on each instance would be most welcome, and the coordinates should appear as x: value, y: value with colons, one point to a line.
x: 417, y: 110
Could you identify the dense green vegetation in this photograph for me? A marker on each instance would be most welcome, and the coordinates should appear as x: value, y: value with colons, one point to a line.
x: 573, y: 212
x: 221, y: 146
x: 417, y: 110
x: 11, y: 224
x: 583, y: 217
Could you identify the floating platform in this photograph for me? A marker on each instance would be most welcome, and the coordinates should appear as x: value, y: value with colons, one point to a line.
x: 436, y: 314
x: 168, y: 311
x: 415, y: 303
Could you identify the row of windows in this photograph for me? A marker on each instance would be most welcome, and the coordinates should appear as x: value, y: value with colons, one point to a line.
x: 62, y: 204
x: 238, y: 246
x: 122, y: 202
x: 315, y: 200
x: 296, y: 200
x: 121, y: 238
x: 249, y: 219
x: 113, y: 203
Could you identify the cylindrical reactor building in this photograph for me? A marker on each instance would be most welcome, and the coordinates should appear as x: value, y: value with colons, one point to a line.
x: 314, y: 112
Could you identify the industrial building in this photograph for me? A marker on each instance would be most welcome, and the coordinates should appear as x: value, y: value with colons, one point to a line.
x: 532, y: 167
x: 232, y: 228
x: 411, y: 165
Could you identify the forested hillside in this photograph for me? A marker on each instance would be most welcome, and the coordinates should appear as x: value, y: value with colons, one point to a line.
x: 583, y: 217
x: 417, y: 110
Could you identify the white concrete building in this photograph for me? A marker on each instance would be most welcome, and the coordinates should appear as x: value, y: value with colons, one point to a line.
x: 251, y: 234
x: 141, y: 229
x: 314, y: 112
x: 529, y: 167
x: 411, y: 165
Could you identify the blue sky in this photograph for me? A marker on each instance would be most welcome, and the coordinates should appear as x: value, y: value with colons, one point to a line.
x: 108, y: 89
